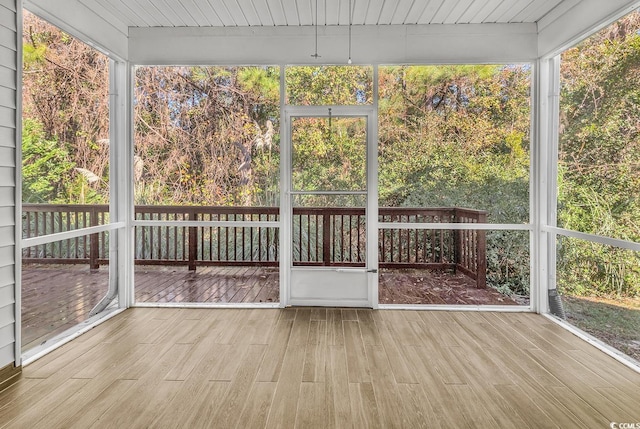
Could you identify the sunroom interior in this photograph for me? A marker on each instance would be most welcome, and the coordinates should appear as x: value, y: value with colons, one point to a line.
x: 383, y: 313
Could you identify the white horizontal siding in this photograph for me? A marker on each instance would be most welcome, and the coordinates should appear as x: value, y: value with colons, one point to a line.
x: 6, y: 55
x: 7, y: 37
x: 8, y: 75
x: 9, y: 61
x: 7, y: 157
x: 7, y: 255
x: 7, y: 353
x: 7, y: 177
x: 7, y: 294
x: 7, y: 19
x: 8, y: 137
x: 7, y: 116
x: 7, y: 195
x: 6, y: 314
x: 7, y: 95
x: 7, y: 238
x: 7, y: 336
x: 9, y: 4
x: 7, y: 275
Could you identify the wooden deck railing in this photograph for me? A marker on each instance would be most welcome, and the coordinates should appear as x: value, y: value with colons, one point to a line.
x: 322, y: 236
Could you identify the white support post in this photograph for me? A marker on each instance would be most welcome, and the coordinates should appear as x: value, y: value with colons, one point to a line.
x: 538, y: 182
x: 372, y: 200
x: 122, y: 204
x: 285, y: 204
x: 543, y: 173
x: 553, y: 136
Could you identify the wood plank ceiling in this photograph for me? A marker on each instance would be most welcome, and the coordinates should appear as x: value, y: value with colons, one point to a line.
x: 242, y: 13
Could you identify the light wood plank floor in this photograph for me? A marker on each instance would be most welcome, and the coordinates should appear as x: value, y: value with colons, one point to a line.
x: 312, y: 367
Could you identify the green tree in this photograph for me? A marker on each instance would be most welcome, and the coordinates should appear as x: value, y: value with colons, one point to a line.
x: 599, y: 160
x: 65, y: 91
x: 45, y: 166
x: 458, y: 136
x: 207, y: 135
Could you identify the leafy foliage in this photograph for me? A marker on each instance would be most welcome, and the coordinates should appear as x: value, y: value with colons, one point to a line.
x: 206, y: 135
x: 66, y: 111
x: 458, y: 136
x: 329, y: 85
x: 599, y: 171
x: 44, y: 165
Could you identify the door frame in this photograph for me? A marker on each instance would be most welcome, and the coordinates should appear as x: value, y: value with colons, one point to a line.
x: 371, y: 209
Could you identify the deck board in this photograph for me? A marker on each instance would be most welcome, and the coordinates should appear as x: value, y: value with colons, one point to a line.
x: 147, y: 367
x: 55, y: 298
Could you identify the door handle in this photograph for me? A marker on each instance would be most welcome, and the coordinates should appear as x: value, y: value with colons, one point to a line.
x: 372, y: 271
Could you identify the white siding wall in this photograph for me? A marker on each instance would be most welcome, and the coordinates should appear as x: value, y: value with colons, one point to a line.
x: 8, y: 123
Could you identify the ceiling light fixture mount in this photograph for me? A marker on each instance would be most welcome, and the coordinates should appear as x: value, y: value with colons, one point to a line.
x: 315, y: 55
x: 350, y: 22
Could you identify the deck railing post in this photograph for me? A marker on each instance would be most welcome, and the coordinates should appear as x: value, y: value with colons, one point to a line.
x: 326, y: 238
x: 94, y: 240
x: 193, y: 242
x: 457, y: 241
x: 481, y: 254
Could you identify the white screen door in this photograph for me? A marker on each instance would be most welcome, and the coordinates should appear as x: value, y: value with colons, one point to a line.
x: 329, y: 226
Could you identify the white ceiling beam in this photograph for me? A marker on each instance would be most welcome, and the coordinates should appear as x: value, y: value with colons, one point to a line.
x: 574, y: 20
x: 79, y: 21
x: 393, y: 44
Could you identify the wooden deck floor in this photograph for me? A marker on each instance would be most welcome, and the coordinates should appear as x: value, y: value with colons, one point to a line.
x: 323, y: 368
x: 207, y: 284
x: 55, y: 298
